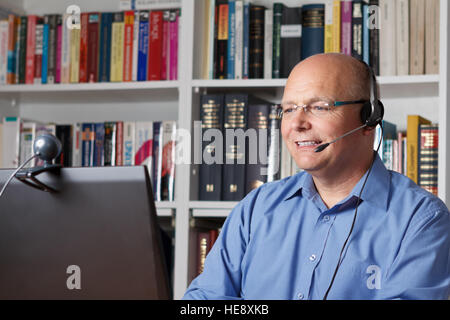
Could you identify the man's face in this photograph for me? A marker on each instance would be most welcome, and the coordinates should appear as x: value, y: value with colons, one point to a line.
x: 303, y: 132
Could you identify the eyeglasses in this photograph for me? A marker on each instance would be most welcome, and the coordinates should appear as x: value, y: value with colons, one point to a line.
x: 317, y: 108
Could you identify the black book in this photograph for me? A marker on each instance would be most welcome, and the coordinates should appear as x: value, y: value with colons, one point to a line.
x: 256, y: 42
x: 110, y: 144
x: 256, y: 152
x: 291, y: 39
x: 374, y: 41
x: 357, y: 29
x: 210, y: 172
x: 64, y: 134
x: 221, y: 39
x: 235, y: 118
x: 23, y: 48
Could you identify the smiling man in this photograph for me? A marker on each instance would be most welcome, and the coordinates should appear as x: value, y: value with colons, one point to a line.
x: 346, y: 227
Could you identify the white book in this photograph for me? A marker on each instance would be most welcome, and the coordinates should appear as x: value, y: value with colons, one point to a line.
x: 135, y: 46
x: 144, y: 146
x: 65, y: 50
x: 3, y: 50
x: 402, y: 37
x: 417, y: 37
x: 76, y: 145
x: 432, y: 37
x: 27, y: 136
x: 285, y: 162
x: 129, y: 142
x: 239, y: 34
x: 268, y: 43
x: 11, y: 142
x: 388, y: 47
x: 166, y: 172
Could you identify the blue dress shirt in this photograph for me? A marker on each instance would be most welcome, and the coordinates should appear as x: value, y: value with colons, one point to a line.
x: 282, y: 242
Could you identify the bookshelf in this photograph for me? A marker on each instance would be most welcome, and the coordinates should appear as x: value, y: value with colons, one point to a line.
x: 427, y: 95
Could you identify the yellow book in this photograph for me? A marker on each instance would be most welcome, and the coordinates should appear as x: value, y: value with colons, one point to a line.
x: 328, y: 36
x: 75, y: 55
x: 117, y: 36
x: 412, y: 144
x: 336, y: 26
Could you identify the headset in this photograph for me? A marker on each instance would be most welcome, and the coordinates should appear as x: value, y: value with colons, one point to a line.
x: 372, y: 114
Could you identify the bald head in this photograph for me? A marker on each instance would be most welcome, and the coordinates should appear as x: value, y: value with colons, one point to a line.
x: 348, y: 75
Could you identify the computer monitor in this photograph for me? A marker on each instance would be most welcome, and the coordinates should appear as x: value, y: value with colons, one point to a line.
x: 96, y: 238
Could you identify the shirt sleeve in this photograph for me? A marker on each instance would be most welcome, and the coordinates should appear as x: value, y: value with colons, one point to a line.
x: 221, y: 276
x: 421, y: 267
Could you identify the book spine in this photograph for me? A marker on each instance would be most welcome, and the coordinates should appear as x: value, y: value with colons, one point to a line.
x: 233, y: 176
x: 402, y: 21
x: 135, y: 46
x: 417, y: 37
x: 104, y: 65
x: 357, y: 30
x: 117, y: 47
x: 45, y: 42
x: 84, y: 47
x: 92, y: 48
x: 31, y: 47
x: 144, y: 146
x: 129, y: 143
x: 65, y: 135
x: 22, y: 55
x: 11, y: 58
x: 246, y: 45
x: 412, y: 136
x: 110, y: 144
x: 27, y: 136
x: 58, y: 49
x: 374, y: 35
x: 231, y: 46
x: 155, y: 45
x: 65, y: 50
x: 210, y: 170
x: 258, y: 121
x: 428, y: 158
x: 388, y: 47
x: 312, y: 29
x: 74, y: 55
x: 76, y: 145
x: 432, y: 37
x: 87, y: 144
x: 336, y: 26
x: 3, y: 51
x: 203, y: 243
x: 99, y: 141
x: 38, y: 50
x: 291, y: 39
x: 143, y: 46
x: 328, y: 36
x: 274, y: 154
x: 51, y: 49
x: 239, y: 43
x: 119, y: 144
x: 222, y: 42
x: 165, y: 45
x: 11, y: 141
x: 128, y: 45
x: 157, y: 160
x: 167, y: 172
x: 366, y: 39
x: 346, y: 27
x: 268, y: 44
x: 276, y: 55
x: 173, y: 52
x: 256, y: 51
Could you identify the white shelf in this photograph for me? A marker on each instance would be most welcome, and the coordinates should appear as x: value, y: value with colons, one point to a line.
x: 165, y: 208
x: 98, y: 86
x: 211, y: 209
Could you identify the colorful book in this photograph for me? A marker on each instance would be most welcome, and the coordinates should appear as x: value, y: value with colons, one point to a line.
x: 93, y: 47
x: 11, y: 55
x: 129, y: 143
x: 59, y: 32
x: 143, y: 46
x: 65, y: 134
x: 110, y: 143
x: 231, y: 46
x: 173, y: 52
x: 104, y: 62
x: 83, y: 77
x: 128, y: 45
x: 428, y: 157
x: 117, y: 35
x: 167, y: 171
x: 52, y: 43
x: 313, y: 20
x: 87, y: 144
x: 412, y: 135
x: 31, y: 47
x: 346, y: 27
x: 155, y: 45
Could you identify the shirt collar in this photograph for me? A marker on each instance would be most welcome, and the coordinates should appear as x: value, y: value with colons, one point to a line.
x: 376, y: 191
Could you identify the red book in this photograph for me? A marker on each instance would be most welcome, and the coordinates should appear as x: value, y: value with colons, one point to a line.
x: 128, y: 45
x: 83, y: 47
x: 155, y: 45
x: 173, y: 52
x: 93, y: 32
x: 165, y: 48
x: 119, y: 144
x: 31, y: 47
x: 346, y: 27
x: 39, y: 38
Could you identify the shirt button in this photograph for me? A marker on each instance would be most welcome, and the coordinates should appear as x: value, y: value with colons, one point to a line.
x: 326, y: 218
x: 312, y: 257
x: 300, y: 296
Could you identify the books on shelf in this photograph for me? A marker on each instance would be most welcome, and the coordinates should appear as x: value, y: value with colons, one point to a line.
x: 130, y: 45
x: 113, y: 143
x: 395, y: 37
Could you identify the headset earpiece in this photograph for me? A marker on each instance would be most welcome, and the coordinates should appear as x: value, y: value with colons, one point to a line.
x: 372, y: 112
